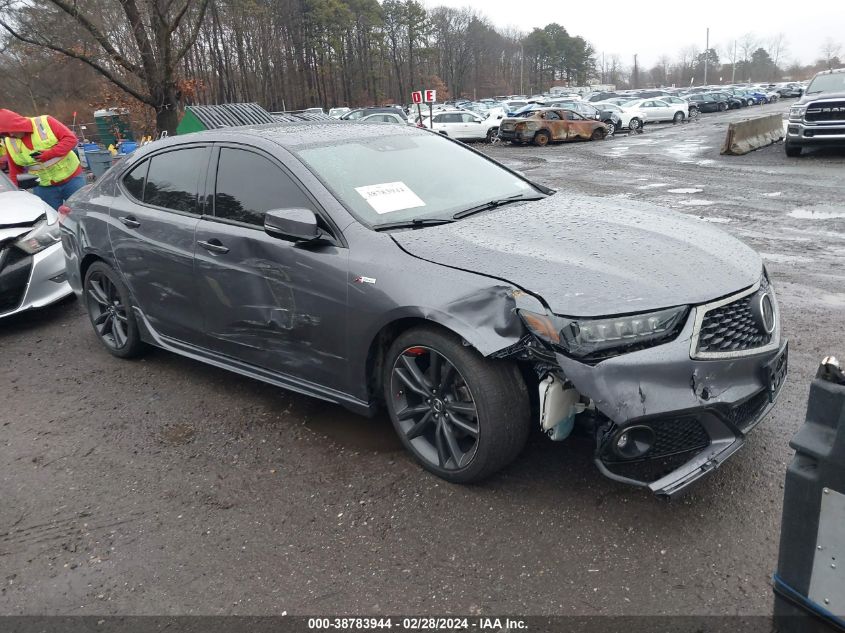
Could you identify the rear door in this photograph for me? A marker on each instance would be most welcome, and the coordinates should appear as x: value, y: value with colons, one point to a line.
x: 152, y: 235
x: 265, y: 301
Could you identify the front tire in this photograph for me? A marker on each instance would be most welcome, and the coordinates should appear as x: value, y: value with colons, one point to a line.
x: 110, y: 310
x: 598, y: 134
x: 461, y: 416
x: 722, y: 106
x: 792, y: 150
x: 678, y: 118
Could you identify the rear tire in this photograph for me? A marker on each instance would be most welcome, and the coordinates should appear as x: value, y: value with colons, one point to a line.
x: 541, y: 138
x: 634, y: 124
x: 109, y: 307
x: 483, y: 405
x: 611, y: 128
x: 792, y: 150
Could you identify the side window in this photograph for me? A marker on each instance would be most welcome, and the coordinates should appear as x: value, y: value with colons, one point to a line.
x: 134, y: 180
x: 440, y: 118
x: 468, y: 118
x: 249, y: 184
x: 173, y: 179
x: 551, y: 115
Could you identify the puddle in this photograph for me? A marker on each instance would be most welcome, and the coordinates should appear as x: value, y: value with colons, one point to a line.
x: 653, y: 185
x: 685, y: 190
x: 696, y: 203
x: 351, y: 431
x: 705, y: 162
x: 178, y: 434
x: 813, y: 214
x: 773, y: 194
x: 714, y: 220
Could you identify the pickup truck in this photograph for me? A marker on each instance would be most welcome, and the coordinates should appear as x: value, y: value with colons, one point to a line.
x: 818, y: 117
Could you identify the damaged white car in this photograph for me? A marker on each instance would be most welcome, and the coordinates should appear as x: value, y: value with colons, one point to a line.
x: 32, y: 266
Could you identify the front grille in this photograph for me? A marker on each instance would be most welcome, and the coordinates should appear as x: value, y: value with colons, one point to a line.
x: 825, y: 111
x: 732, y: 328
x: 677, y: 436
x: 15, y: 267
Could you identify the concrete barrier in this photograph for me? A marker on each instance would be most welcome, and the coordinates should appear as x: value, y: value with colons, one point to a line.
x: 750, y: 134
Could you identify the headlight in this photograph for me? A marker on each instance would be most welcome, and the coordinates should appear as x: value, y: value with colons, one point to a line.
x: 597, y: 339
x: 796, y: 113
x: 43, y: 235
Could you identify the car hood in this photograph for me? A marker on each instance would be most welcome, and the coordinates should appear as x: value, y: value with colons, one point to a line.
x: 593, y: 256
x: 816, y: 96
x: 18, y: 211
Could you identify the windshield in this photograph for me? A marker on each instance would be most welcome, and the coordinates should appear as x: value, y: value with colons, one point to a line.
x: 827, y: 83
x: 402, y: 177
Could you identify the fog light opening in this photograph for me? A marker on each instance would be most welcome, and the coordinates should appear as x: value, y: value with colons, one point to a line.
x: 633, y: 442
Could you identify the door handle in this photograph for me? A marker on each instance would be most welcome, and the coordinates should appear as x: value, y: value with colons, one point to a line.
x: 130, y: 221
x: 214, y: 246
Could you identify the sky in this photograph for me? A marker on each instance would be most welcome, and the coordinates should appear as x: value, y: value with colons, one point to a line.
x: 666, y: 27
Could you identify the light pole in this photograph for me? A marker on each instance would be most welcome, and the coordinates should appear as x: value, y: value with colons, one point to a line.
x: 706, y: 54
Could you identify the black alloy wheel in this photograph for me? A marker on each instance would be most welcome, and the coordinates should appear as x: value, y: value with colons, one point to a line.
x: 437, y: 414
x: 463, y: 417
x: 109, y: 308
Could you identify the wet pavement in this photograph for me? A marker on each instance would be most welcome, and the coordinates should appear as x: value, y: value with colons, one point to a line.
x: 162, y: 486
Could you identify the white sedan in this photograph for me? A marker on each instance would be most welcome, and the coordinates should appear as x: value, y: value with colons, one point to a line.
x: 632, y: 118
x: 384, y: 117
x: 658, y: 110
x: 32, y: 263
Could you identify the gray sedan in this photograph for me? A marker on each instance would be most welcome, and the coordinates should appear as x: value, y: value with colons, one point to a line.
x: 388, y: 266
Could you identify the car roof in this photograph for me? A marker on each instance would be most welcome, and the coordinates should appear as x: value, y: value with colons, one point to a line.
x: 293, y: 135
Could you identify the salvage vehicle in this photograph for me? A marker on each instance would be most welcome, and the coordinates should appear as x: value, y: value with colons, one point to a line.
x: 692, y: 109
x: 818, y: 118
x: 384, y: 265
x: 354, y: 115
x: 608, y: 116
x: 658, y: 110
x: 734, y: 102
x: 32, y: 266
x: 546, y: 125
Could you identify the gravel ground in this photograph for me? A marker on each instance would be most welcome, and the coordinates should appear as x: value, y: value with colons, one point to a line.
x: 162, y: 486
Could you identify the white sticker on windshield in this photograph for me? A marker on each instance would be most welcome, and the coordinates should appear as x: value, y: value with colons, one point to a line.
x: 389, y: 197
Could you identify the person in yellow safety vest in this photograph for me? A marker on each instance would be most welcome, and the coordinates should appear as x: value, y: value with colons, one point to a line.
x: 42, y: 146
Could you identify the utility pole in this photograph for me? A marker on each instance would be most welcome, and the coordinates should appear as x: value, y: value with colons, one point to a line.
x: 635, y: 78
x: 706, y: 54
x: 733, y: 66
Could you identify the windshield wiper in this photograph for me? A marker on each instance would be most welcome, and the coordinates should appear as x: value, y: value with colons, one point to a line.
x: 492, y: 204
x: 415, y: 223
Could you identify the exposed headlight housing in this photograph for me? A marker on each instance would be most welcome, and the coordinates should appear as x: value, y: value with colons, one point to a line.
x: 592, y: 340
x: 796, y: 113
x: 43, y: 235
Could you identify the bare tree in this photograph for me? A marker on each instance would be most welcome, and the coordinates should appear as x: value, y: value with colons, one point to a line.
x: 830, y: 50
x: 748, y: 43
x: 138, y: 45
x: 777, y: 49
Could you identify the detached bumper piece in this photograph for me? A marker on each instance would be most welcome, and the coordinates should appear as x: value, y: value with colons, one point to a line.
x: 15, y: 270
x: 667, y: 453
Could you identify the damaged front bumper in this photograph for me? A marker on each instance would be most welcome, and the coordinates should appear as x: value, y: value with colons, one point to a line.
x: 663, y: 419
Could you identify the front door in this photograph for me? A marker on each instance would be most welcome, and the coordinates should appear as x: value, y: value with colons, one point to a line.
x: 152, y: 235
x: 268, y: 302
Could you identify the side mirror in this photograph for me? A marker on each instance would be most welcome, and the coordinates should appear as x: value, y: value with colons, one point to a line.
x: 294, y: 225
x: 27, y: 181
